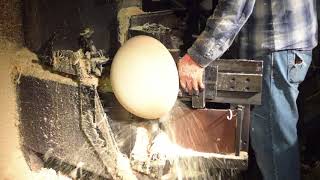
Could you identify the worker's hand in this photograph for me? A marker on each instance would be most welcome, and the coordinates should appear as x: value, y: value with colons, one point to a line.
x: 190, y: 74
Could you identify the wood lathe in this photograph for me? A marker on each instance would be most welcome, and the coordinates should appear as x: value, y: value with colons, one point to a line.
x: 67, y: 122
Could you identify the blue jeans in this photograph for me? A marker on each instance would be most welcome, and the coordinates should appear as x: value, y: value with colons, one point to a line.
x: 273, y: 126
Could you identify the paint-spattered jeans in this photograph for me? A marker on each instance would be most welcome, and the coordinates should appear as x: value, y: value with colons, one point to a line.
x: 273, y: 126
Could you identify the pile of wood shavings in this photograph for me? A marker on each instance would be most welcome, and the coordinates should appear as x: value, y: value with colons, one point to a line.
x: 12, y: 162
x: 124, y: 16
x: 48, y: 174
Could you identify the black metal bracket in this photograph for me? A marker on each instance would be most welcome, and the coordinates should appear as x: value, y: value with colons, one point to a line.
x: 238, y: 141
x: 235, y: 81
x: 210, y: 80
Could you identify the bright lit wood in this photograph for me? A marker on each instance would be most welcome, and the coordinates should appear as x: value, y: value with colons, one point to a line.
x: 144, y: 77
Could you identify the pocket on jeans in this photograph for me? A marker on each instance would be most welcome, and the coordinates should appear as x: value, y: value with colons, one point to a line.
x: 298, y: 66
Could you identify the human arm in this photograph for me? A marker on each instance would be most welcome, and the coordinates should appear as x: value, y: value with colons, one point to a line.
x: 220, y: 31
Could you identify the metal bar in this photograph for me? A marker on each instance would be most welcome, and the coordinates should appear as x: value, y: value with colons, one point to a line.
x: 240, y: 82
x: 166, y: 18
x: 239, y: 66
x: 199, y: 100
x: 245, y: 129
x: 238, y: 142
x: 211, y: 81
x: 232, y: 81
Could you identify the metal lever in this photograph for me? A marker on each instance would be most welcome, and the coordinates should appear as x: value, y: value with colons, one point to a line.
x: 199, y: 100
x: 210, y: 76
x: 240, y: 114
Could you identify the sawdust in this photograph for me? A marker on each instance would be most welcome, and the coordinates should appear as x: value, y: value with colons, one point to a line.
x: 10, y: 152
x: 48, y: 174
x: 13, y: 165
x: 188, y: 163
x: 184, y: 162
x: 165, y: 147
x: 105, y: 85
x: 168, y: 136
x: 12, y: 160
x: 152, y: 28
x: 124, y: 168
x: 105, y: 82
x: 26, y: 62
x: 124, y: 21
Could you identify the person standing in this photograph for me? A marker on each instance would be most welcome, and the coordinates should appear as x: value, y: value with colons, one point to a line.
x: 282, y: 33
